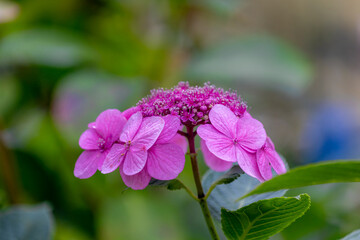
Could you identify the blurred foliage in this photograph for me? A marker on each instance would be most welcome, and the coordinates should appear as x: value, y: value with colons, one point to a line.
x: 46, y: 47
x: 352, y: 236
x: 260, y: 60
x: 23, y: 222
x: 63, y: 62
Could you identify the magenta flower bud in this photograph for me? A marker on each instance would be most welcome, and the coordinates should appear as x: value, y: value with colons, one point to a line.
x: 184, y: 101
x: 203, y: 108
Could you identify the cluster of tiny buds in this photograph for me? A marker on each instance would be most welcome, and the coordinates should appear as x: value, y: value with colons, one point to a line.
x: 191, y: 104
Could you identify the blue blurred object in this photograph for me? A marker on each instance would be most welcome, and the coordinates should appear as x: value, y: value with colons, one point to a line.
x: 27, y: 222
x: 330, y: 133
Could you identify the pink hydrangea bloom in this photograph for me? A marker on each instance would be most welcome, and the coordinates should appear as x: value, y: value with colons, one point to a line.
x: 97, y: 141
x: 146, y: 149
x: 234, y: 139
x: 181, y: 141
x: 132, y: 149
x: 144, y: 141
x: 267, y: 157
x: 130, y: 111
x: 213, y: 161
x: 178, y: 139
x: 166, y: 158
x: 191, y: 104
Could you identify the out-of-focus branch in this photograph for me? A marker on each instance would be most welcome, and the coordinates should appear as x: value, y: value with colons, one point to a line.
x: 9, y: 172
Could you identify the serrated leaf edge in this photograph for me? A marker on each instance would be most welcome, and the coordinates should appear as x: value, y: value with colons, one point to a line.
x: 299, y: 197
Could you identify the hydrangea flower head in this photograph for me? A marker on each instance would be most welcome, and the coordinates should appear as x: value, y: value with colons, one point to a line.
x: 97, y: 141
x: 191, y: 104
x: 147, y: 141
x: 137, y: 138
x: 234, y: 139
x: 165, y: 159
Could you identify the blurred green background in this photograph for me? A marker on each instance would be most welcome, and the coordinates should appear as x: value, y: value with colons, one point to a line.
x: 296, y: 63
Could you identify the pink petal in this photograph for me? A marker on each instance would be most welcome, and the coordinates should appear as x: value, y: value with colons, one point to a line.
x: 131, y: 127
x: 172, y: 124
x: 114, y: 158
x: 212, y: 161
x: 223, y: 149
x: 165, y: 161
x: 101, y: 161
x: 181, y: 141
x: 148, y: 132
x: 273, y: 157
x: 87, y: 163
x: 92, y: 125
x: 263, y: 164
x: 129, y: 112
x: 137, y: 181
x: 218, y: 144
x: 89, y: 140
x: 207, y: 131
x: 276, y: 162
x: 250, y: 134
x: 247, y: 162
x: 135, y: 160
x: 269, y: 143
x: 109, y: 124
x: 223, y: 119
x: 247, y: 114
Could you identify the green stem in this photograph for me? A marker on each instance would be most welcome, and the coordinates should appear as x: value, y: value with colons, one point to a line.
x: 189, y: 191
x: 212, y: 187
x: 208, y: 219
x: 200, y: 191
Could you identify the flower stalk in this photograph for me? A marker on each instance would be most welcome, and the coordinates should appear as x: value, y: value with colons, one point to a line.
x: 200, y: 191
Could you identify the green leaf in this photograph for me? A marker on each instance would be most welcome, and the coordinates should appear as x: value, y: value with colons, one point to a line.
x: 264, y: 218
x: 355, y: 235
x: 23, y: 222
x: 226, y: 195
x: 312, y: 174
x: 175, y: 185
x: 229, y: 176
x: 170, y: 185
